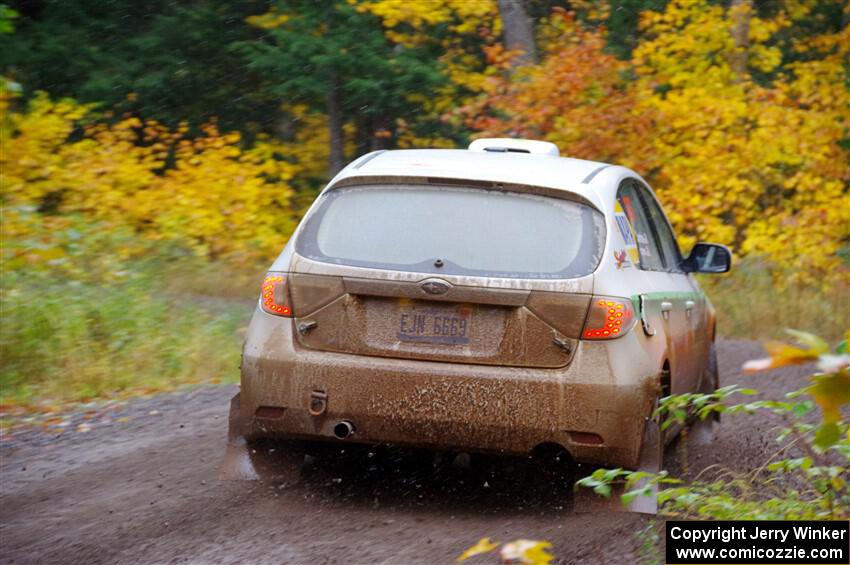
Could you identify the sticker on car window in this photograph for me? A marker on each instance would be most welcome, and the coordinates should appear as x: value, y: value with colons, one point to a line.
x: 628, y: 233
x: 643, y: 245
x: 622, y: 259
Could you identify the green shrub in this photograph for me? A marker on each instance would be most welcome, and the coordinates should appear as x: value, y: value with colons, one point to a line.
x: 808, y: 478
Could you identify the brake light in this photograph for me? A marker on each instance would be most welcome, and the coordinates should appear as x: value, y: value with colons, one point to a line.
x: 275, y: 295
x: 608, y: 318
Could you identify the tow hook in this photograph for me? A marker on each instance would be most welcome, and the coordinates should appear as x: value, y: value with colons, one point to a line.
x: 318, y: 402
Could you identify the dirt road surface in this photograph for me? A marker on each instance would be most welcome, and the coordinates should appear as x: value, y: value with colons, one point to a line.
x: 142, y: 488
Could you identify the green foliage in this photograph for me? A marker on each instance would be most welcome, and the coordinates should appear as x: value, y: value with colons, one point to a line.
x: 7, y: 18
x: 313, y: 50
x: 650, y: 544
x: 813, y: 484
x: 169, y: 61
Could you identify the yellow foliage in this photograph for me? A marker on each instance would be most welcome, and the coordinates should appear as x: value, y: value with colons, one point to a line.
x: 484, y: 545
x: 462, y: 17
x: 527, y: 552
x: 760, y: 166
x: 409, y: 24
x: 269, y: 20
x: 830, y: 388
x: 207, y: 191
x: 757, y: 167
x: 522, y: 551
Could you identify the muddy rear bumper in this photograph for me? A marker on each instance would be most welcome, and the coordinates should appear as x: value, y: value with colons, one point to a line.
x: 445, y: 405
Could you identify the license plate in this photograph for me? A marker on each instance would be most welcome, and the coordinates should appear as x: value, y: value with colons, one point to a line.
x: 447, y: 326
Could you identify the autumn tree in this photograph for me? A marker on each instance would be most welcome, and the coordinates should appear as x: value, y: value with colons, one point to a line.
x: 336, y: 58
x: 518, y: 30
x: 762, y: 165
x: 576, y: 98
x: 740, y: 126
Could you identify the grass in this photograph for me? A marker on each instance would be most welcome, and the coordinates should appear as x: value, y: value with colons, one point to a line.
x: 750, y: 304
x: 69, y: 341
x: 102, y: 322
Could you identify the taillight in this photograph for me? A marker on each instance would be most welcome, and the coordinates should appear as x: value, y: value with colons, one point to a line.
x: 608, y: 318
x: 275, y: 295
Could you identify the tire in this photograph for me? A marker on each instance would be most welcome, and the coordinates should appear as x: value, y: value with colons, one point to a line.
x: 277, y: 461
x: 711, y: 377
x: 702, y: 431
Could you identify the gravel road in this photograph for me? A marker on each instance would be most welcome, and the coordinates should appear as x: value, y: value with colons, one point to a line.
x: 143, y: 489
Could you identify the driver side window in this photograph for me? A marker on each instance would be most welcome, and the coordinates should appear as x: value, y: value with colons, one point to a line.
x: 651, y: 258
x: 669, y: 248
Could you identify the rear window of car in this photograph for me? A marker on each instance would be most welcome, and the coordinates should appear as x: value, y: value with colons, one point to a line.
x: 454, y: 230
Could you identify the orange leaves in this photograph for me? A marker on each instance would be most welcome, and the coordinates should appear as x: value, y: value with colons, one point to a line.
x: 810, y: 348
x: 576, y: 98
x: 781, y: 355
x: 762, y: 167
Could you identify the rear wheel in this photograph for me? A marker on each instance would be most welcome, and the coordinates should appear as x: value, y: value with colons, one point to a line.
x: 277, y: 461
x: 655, y: 439
x: 711, y: 377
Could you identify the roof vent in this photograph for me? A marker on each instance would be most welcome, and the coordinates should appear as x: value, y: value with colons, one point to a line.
x: 508, y: 145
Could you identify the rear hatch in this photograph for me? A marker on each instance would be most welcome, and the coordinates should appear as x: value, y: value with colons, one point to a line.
x: 445, y: 273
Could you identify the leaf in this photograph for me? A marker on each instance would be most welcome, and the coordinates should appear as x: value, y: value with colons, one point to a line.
x: 831, y: 392
x: 604, y: 490
x: 802, y: 408
x: 842, y: 345
x: 528, y: 552
x: 781, y: 355
x: 484, y: 545
x: 757, y: 365
x: 813, y: 342
x: 828, y: 434
x: 645, y: 490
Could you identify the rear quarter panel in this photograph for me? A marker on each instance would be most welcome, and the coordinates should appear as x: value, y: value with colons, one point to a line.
x: 618, y: 275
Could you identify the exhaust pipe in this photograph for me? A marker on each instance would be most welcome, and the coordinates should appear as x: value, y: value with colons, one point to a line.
x: 344, y: 429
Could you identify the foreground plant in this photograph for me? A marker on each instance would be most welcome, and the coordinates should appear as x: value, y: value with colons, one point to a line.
x: 812, y: 484
x: 526, y: 552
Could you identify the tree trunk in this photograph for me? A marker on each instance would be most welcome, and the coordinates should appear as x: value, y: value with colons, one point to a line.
x: 380, y: 130
x: 337, y: 142
x: 518, y: 30
x: 741, y: 11
x: 363, y: 134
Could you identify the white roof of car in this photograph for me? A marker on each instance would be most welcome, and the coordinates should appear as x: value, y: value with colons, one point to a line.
x: 491, y: 165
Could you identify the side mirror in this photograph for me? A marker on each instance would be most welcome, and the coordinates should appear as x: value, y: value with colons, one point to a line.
x: 708, y: 258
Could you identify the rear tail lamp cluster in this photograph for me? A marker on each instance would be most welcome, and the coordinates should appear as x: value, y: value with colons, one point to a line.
x: 608, y: 318
x: 275, y: 295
